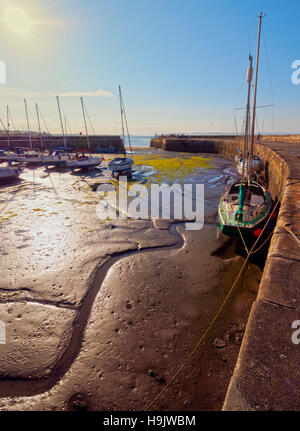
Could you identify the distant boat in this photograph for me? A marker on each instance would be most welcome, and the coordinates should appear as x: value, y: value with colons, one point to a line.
x: 57, y: 157
x: 31, y: 157
x: 83, y: 161
x: 8, y: 174
x: 246, y: 206
x: 122, y: 164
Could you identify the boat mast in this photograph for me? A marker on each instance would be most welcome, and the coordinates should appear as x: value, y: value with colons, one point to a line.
x: 61, y: 123
x: 86, y: 130
x: 28, y: 127
x: 246, y: 141
x: 38, y: 120
x: 7, y: 117
x: 254, y: 100
x: 122, y: 120
x: 124, y: 114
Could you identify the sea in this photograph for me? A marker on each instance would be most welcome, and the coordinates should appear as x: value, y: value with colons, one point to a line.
x: 138, y: 141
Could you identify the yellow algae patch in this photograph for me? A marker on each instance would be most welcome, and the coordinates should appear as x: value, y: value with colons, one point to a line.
x: 173, y: 167
x: 37, y: 209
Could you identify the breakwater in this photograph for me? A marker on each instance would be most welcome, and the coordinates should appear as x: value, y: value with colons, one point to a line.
x: 266, y: 376
x: 101, y: 143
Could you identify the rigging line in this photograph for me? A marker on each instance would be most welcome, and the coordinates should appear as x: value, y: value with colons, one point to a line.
x: 261, y: 106
x: 268, y: 66
x: 30, y: 112
x: 126, y: 124
x: 11, y: 119
x: 86, y: 111
x: 43, y: 120
x: 68, y: 126
x: 270, y: 77
x: 4, y: 128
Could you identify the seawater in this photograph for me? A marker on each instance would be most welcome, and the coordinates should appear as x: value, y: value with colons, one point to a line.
x: 138, y: 141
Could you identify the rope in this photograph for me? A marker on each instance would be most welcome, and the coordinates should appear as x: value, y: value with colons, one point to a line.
x: 242, y: 239
x: 292, y: 233
x: 217, y: 313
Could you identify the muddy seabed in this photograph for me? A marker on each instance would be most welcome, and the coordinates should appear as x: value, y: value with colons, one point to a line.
x: 100, y: 314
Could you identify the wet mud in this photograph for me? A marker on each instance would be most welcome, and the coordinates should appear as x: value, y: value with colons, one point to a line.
x: 131, y: 298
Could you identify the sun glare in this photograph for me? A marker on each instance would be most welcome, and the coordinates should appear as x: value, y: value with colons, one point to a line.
x: 17, y: 20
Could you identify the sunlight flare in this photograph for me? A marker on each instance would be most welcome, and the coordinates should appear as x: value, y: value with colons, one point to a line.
x: 17, y: 20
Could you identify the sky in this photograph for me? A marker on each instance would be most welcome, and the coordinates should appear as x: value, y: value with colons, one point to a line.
x: 181, y: 64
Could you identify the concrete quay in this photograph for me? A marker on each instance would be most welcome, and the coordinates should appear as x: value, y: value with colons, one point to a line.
x: 267, y: 372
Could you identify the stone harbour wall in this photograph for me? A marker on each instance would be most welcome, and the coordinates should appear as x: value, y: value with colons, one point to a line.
x: 267, y: 372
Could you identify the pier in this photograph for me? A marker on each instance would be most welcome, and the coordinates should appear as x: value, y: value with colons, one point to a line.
x: 267, y: 375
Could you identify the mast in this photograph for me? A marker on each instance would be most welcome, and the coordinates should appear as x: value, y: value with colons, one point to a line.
x: 246, y: 141
x: 126, y: 124
x: 38, y: 120
x: 66, y: 132
x: 28, y: 127
x: 254, y: 100
x: 7, y: 118
x: 61, y: 123
x: 122, y: 121
x: 86, y: 130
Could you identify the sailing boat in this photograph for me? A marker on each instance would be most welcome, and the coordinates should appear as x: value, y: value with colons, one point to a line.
x: 83, y: 161
x: 122, y: 164
x: 30, y: 157
x: 245, y: 207
x: 55, y: 158
x: 7, y: 173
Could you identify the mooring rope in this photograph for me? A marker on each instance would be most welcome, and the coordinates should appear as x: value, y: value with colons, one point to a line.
x: 215, y: 317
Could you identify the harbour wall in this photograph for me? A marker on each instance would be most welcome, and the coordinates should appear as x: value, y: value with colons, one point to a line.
x: 267, y: 372
x: 100, y: 143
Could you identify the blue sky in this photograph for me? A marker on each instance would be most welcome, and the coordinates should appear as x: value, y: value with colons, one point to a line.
x: 181, y: 64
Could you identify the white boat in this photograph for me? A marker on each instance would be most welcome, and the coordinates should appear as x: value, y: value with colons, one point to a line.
x: 84, y: 162
x: 257, y: 164
x: 120, y: 164
x: 56, y: 159
x: 30, y: 158
x: 81, y: 161
x: 9, y: 173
